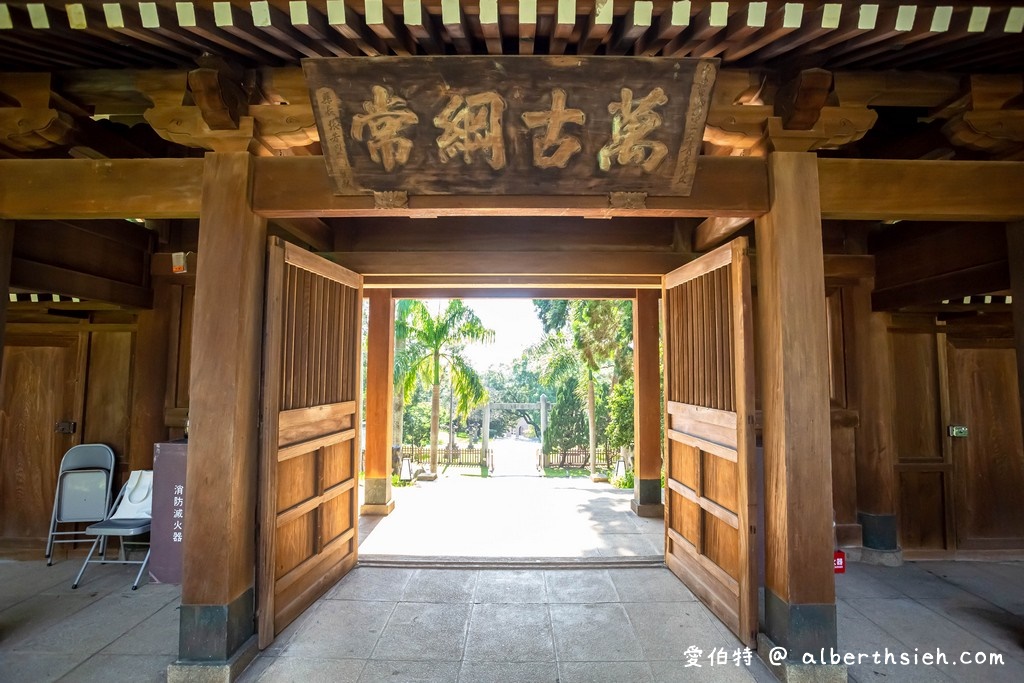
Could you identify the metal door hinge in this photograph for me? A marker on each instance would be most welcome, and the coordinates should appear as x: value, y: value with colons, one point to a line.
x: 958, y: 431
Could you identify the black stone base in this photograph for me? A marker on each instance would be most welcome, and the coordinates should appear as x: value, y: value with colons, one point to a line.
x: 880, y: 531
x: 214, y: 633
x: 801, y: 629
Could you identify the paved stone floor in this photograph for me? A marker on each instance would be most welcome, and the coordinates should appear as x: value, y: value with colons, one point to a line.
x: 491, y: 624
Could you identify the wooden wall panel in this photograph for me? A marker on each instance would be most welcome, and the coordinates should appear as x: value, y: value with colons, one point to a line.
x: 108, y: 394
x: 922, y: 510
x: 721, y: 544
x: 918, y: 420
x: 719, y: 480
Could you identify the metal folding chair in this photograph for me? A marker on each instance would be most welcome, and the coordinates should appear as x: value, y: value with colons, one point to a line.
x: 131, y: 515
x: 83, y: 492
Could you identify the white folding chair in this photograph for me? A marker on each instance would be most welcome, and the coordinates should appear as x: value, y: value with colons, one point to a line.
x: 131, y: 515
x: 83, y: 493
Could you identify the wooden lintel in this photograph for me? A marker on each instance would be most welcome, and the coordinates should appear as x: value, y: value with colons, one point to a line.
x: 301, y: 187
x: 511, y: 263
x: 514, y: 293
x: 34, y: 276
x: 716, y: 230
x: 497, y: 283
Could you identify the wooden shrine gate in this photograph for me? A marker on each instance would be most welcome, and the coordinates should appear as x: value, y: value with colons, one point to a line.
x: 309, y: 443
x: 711, y: 498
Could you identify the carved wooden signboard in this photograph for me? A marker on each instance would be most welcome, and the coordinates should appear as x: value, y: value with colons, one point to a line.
x: 511, y: 125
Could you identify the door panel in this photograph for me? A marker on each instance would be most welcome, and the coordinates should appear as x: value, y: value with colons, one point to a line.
x: 308, y: 512
x: 709, y: 381
x: 988, y: 464
x: 38, y: 388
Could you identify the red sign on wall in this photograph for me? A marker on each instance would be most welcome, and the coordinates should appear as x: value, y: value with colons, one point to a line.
x: 839, y: 562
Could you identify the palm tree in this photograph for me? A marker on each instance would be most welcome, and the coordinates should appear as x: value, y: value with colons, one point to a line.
x: 434, y: 346
x: 594, y: 328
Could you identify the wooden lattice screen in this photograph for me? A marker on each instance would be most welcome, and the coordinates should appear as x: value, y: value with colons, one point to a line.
x: 709, y: 381
x: 308, y: 508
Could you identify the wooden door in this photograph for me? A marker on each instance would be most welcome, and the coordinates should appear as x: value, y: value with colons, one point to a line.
x: 988, y: 464
x: 40, y: 386
x: 309, y: 442
x: 711, y: 499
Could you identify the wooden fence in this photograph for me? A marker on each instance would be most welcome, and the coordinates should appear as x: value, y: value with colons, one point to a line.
x: 576, y: 458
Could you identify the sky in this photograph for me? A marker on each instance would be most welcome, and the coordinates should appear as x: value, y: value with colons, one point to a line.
x: 515, y: 326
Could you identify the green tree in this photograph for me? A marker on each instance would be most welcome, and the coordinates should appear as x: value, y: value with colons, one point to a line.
x: 518, y: 382
x: 435, y: 344
x: 619, y: 431
x: 594, y: 329
x: 567, y: 421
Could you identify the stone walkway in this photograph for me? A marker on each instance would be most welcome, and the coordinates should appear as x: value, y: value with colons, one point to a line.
x: 504, y: 626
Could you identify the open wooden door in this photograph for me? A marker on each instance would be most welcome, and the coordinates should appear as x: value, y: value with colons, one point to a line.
x: 309, y: 443
x: 710, y: 495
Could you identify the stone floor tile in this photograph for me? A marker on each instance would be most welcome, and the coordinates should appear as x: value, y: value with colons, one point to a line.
x: 604, y: 672
x: 628, y: 545
x: 379, y: 583
x: 510, y: 585
x: 39, y: 668
x: 309, y: 670
x: 508, y: 632
x: 384, y: 671
x: 593, y: 633
x: 134, y: 668
x: 649, y: 585
x: 666, y: 630
x: 424, y: 631
x: 341, y: 629
x: 150, y: 636
x: 579, y: 585
x: 678, y: 672
x: 509, y: 672
x: 440, y: 585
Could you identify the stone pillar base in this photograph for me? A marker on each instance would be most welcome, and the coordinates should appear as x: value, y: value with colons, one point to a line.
x: 647, y: 509
x: 598, y: 478
x: 790, y: 671
x: 881, y: 558
x: 214, y: 672
x: 378, y: 509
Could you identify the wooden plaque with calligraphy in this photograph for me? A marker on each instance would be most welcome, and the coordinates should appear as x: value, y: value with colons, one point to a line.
x: 511, y: 125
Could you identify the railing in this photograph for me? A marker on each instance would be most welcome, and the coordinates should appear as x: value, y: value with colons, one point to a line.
x: 450, y: 457
x: 577, y: 458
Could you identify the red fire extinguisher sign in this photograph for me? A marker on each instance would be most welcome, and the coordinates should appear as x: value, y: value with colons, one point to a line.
x: 840, y: 562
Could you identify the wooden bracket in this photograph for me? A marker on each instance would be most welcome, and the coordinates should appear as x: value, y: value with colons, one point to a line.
x: 396, y: 199
x: 627, y: 200
x: 994, y: 121
x: 799, y: 103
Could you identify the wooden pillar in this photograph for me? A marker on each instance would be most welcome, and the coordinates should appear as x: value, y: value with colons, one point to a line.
x: 800, y: 611
x: 1015, y: 252
x: 647, y: 406
x: 217, y: 594
x: 380, y: 381
x: 6, y: 252
x: 872, y: 394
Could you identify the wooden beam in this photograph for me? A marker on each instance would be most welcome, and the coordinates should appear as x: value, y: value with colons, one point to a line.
x: 647, y: 461
x: 421, y: 27
x: 496, y: 283
x: 874, y: 189
x: 513, y: 293
x: 455, y: 23
x: 565, y: 24
x: 715, y: 231
x: 312, y: 231
x: 671, y: 22
x: 527, y: 26
x: 508, y: 262
x: 380, y: 382
x: 799, y: 102
x: 297, y: 186
x: 490, y: 25
x: 345, y: 21
x: 799, y: 586
x: 920, y: 264
x: 388, y: 28
x: 599, y: 23
x: 224, y: 416
x: 1015, y: 249
x: 84, y: 188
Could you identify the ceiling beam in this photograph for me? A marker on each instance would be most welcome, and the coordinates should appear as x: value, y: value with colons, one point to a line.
x: 715, y: 231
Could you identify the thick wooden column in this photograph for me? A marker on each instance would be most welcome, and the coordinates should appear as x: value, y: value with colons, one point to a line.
x: 6, y: 251
x: 800, y: 611
x: 1015, y: 251
x: 871, y: 393
x: 380, y: 374
x: 217, y: 595
x: 647, y: 406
